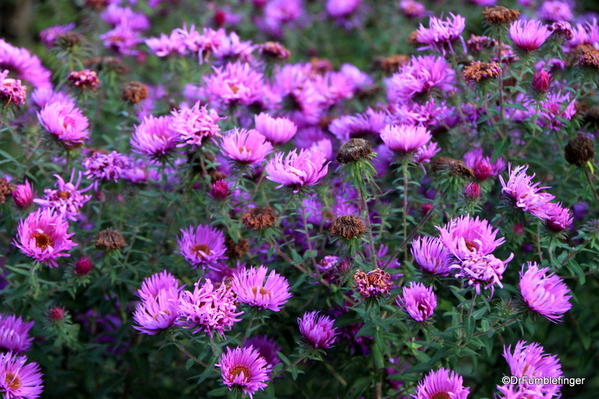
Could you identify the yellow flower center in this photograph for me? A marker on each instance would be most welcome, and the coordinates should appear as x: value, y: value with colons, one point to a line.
x: 42, y: 240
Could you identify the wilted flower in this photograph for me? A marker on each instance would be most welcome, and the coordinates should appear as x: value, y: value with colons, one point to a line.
x: 578, y: 151
x: 544, y: 293
x: 442, y: 383
x: 84, y: 80
x: 19, y: 380
x: 14, y: 333
x: 135, y: 92
x: 11, y: 90
x: 203, y: 247
x: 317, y: 330
x: 259, y: 218
x: 254, y: 288
x: 418, y: 301
x: 374, y: 283
x: 348, y: 227
x: 110, y: 240
x: 245, y: 369
x: 43, y: 237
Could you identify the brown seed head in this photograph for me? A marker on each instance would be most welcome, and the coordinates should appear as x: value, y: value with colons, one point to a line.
x: 500, y: 15
x: 454, y: 167
x: 259, y: 218
x: 413, y: 39
x: 478, y: 71
x: 5, y: 189
x: 274, y: 50
x: 237, y: 249
x: 321, y: 65
x: 579, y: 150
x: 84, y: 80
x: 354, y: 150
x: 135, y: 92
x: 68, y: 40
x: 390, y: 65
x: 348, y: 227
x: 588, y: 59
x: 110, y: 240
x: 373, y: 283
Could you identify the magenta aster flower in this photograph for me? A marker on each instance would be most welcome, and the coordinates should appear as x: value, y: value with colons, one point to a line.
x: 482, y: 271
x: 441, y: 34
x: 195, y: 125
x: 431, y: 255
x: 555, y: 11
x: 23, y: 195
x: 266, y: 347
x: 24, y: 65
x: 245, y: 369
x: 65, y: 121
x: 370, y: 122
x: 405, y: 138
x: 529, y: 35
x: 558, y: 217
x: 156, y: 313
x: 523, y: 194
x: 318, y: 331
x: 554, y: 109
x: 166, y: 45
x: 19, y: 380
x: 122, y: 39
x: 412, y: 9
x: 231, y: 48
x: 203, y: 247
x: 154, y: 137
x: 115, y: 15
x: 11, y: 90
x: 418, y: 301
x: 105, y: 167
x: 420, y: 76
x: 276, y: 130
x: 245, y: 146
x: 43, y: 237
x: 482, y: 166
x: 442, y: 383
x: 67, y: 199
x: 297, y: 170
x: 341, y: 8
x: 528, y: 360
x: 544, y: 293
x: 254, y: 288
x: 235, y: 83
x: 48, y: 36
x: 464, y: 236
x: 208, y: 309
x: 151, y: 286
x: 14, y: 333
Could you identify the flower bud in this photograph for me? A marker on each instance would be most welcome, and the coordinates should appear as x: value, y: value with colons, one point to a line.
x: 83, y: 266
x: 541, y: 80
x: 56, y: 314
x: 219, y: 190
x: 472, y: 191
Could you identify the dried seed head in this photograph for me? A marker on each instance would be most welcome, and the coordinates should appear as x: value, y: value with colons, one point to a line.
x: 348, y: 227
x: 354, y: 150
x: 454, y: 167
x: 373, y: 283
x: 500, y: 15
x: 588, y: 59
x: 237, y: 249
x: 579, y: 150
x: 110, y: 240
x: 5, y: 189
x: 274, y: 50
x: 413, y: 39
x: 478, y: 71
x: 135, y: 92
x: 477, y: 43
x: 390, y: 65
x: 68, y: 40
x: 259, y: 218
x: 321, y: 65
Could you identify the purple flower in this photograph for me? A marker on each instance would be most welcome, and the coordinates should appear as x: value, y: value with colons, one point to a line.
x: 441, y: 34
x: 245, y: 369
x: 555, y: 11
x: 266, y: 347
x: 482, y: 271
x: 464, y: 236
x: 231, y: 48
x: 48, y: 36
x: 482, y: 166
x: 65, y: 121
x: 341, y: 8
x: 19, y: 380
x: 405, y: 139
x: 23, y: 195
x: 236, y: 83
x: 318, y: 331
x: 41, y: 97
x: 254, y: 288
x: 122, y: 39
x: 524, y: 195
x: 24, y: 65
x: 11, y: 90
x: 14, y: 333
x: 195, y: 125
x: 360, y: 125
x: 167, y: 45
x: 115, y: 15
x: 276, y: 130
x: 420, y: 76
x: 558, y: 217
x: 67, y: 200
x: 204, y: 247
x: 208, y: 309
x: 154, y: 137
x: 442, y: 383
x: 297, y: 170
x: 158, y: 312
x: 555, y: 108
x: 529, y: 35
x: 418, y: 301
x: 528, y: 360
x: 105, y: 167
x: 412, y: 9
x: 245, y: 146
x: 426, y: 152
x: 431, y: 255
x: 43, y: 237
x: 151, y: 286
x: 544, y: 293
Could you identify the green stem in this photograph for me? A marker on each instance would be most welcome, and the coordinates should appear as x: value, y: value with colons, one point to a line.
x: 186, y: 352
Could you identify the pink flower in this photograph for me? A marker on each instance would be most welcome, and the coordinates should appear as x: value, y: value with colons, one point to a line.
x: 276, y: 130
x: 122, y: 39
x: 105, y: 167
x: 19, y: 380
x: 418, y: 301
x: 154, y: 137
x: 65, y: 121
x: 245, y: 369
x: 151, y: 286
x: 48, y: 36
x: 156, y: 313
x: 341, y: 8
x: 405, y: 138
x: 544, y: 292
x: 482, y: 166
x: 208, y: 309
x: 412, y: 9
x: 318, y: 331
x: 441, y: 34
x: 14, y: 333
x: 167, y: 45
x: 528, y: 35
x: 11, y: 90
x: 23, y: 195
x: 195, y: 125
x: 431, y: 255
x: 524, y: 195
x: 442, y: 383
x: 254, y: 288
x: 203, y: 247
x: 24, y: 65
x: 369, y: 122
x: 43, y: 237
x: 555, y: 11
x: 235, y: 83
x: 464, y: 236
x: 245, y: 146
x: 66, y: 200
x: 297, y: 170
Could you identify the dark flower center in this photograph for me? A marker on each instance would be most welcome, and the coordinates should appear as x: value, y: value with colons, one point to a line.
x: 65, y: 195
x: 203, y: 248
x: 472, y: 247
x: 13, y: 381
x: 261, y: 290
x: 240, y: 368
x: 441, y: 395
x: 42, y: 240
x: 243, y: 148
